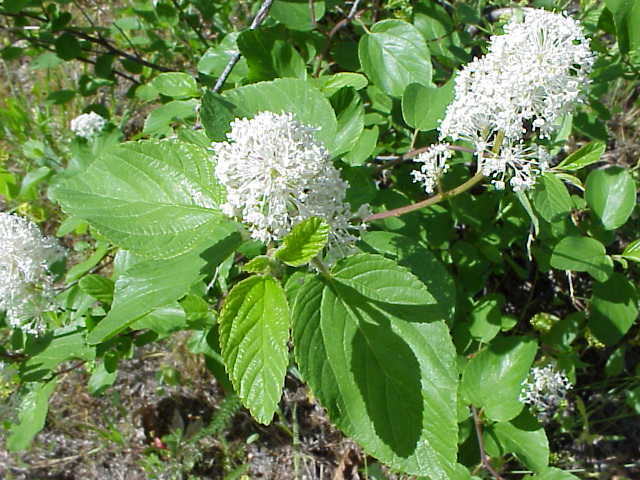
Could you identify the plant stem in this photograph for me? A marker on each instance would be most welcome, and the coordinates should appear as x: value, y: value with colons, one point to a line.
x: 483, y: 454
x: 396, y: 212
x: 257, y: 20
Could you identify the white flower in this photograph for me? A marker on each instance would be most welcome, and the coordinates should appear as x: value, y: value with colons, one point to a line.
x: 434, y: 164
x: 87, y: 125
x: 544, y: 390
x: 531, y: 76
x: 277, y: 174
x: 26, y: 288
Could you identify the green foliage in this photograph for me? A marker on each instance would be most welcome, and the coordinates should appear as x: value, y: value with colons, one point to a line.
x: 305, y: 241
x: 254, y: 331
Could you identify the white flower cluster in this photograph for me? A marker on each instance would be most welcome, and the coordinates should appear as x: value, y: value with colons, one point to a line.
x: 544, y: 390
x: 277, y: 174
x: 434, y: 164
x: 87, y: 125
x: 531, y: 76
x: 26, y: 288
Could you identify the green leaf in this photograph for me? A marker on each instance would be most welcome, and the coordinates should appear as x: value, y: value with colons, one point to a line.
x: 176, y: 85
x: 217, y: 115
x: 611, y: 194
x: 299, y: 97
x: 385, y: 373
x: 614, y: 308
x: 582, y: 254
x: 254, y: 331
x: 98, y: 287
x: 632, y: 251
x: 49, y: 351
x: 259, y: 264
x: 149, y: 284
x: 421, y: 261
x: 160, y: 120
x: 68, y: 47
x: 553, y: 474
x: 586, y: 155
x: 393, y: 55
x: 33, y: 413
x: 330, y: 84
x: 215, y: 59
x: 270, y: 55
x: 158, y: 199
x: 79, y: 269
x: 363, y: 148
x: 493, y: 378
x: 551, y: 198
x: 486, y: 317
x: 304, y: 242
x: 297, y: 14
x: 626, y: 15
x: 349, y: 109
x: 424, y: 107
x: 163, y: 320
x: 526, y: 438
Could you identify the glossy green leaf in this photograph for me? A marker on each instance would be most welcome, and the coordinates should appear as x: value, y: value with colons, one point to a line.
x: 149, y: 284
x: 551, y: 198
x: 158, y: 199
x: 526, y: 438
x: 614, y: 308
x: 32, y: 415
x: 363, y: 148
x: 611, y: 194
x: 586, y: 155
x: 349, y: 109
x: 366, y: 344
x: 424, y: 107
x: 582, y: 254
x: 215, y: 59
x: 298, y: 14
x: 254, y: 332
x: 330, y: 84
x: 626, y: 15
x: 176, y: 85
x: 305, y: 241
x: 393, y: 55
x: 299, y: 97
x: 493, y: 378
x: 632, y: 251
x: 486, y: 317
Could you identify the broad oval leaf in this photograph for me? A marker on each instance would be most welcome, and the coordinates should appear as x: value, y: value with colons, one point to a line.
x: 393, y: 55
x: 157, y: 199
x: 176, y: 85
x: 424, y: 107
x: 584, y: 156
x: 304, y: 242
x: 33, y: 413
x: 611, y: 194
x: 385, y: 373
x: 614, y: 308
x: 493, y: 378
x: 298, y: 14
x: 582, y: 254
x: 551, y: 198
x: 526, y: 438
x: 254, y: 331
x: 296, y: 96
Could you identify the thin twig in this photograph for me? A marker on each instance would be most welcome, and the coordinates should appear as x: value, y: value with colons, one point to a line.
x: 483, y: 454
x: 257, y: 20
x: 396, y: 212
x: 393, y: 160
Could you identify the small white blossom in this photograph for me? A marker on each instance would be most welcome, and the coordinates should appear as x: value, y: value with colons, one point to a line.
x: 277, y: 174
x: 26, y: 288
x: 434, y: 164
x: 531, y: 76
x: 87, y: 125
x: 544, y: 390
